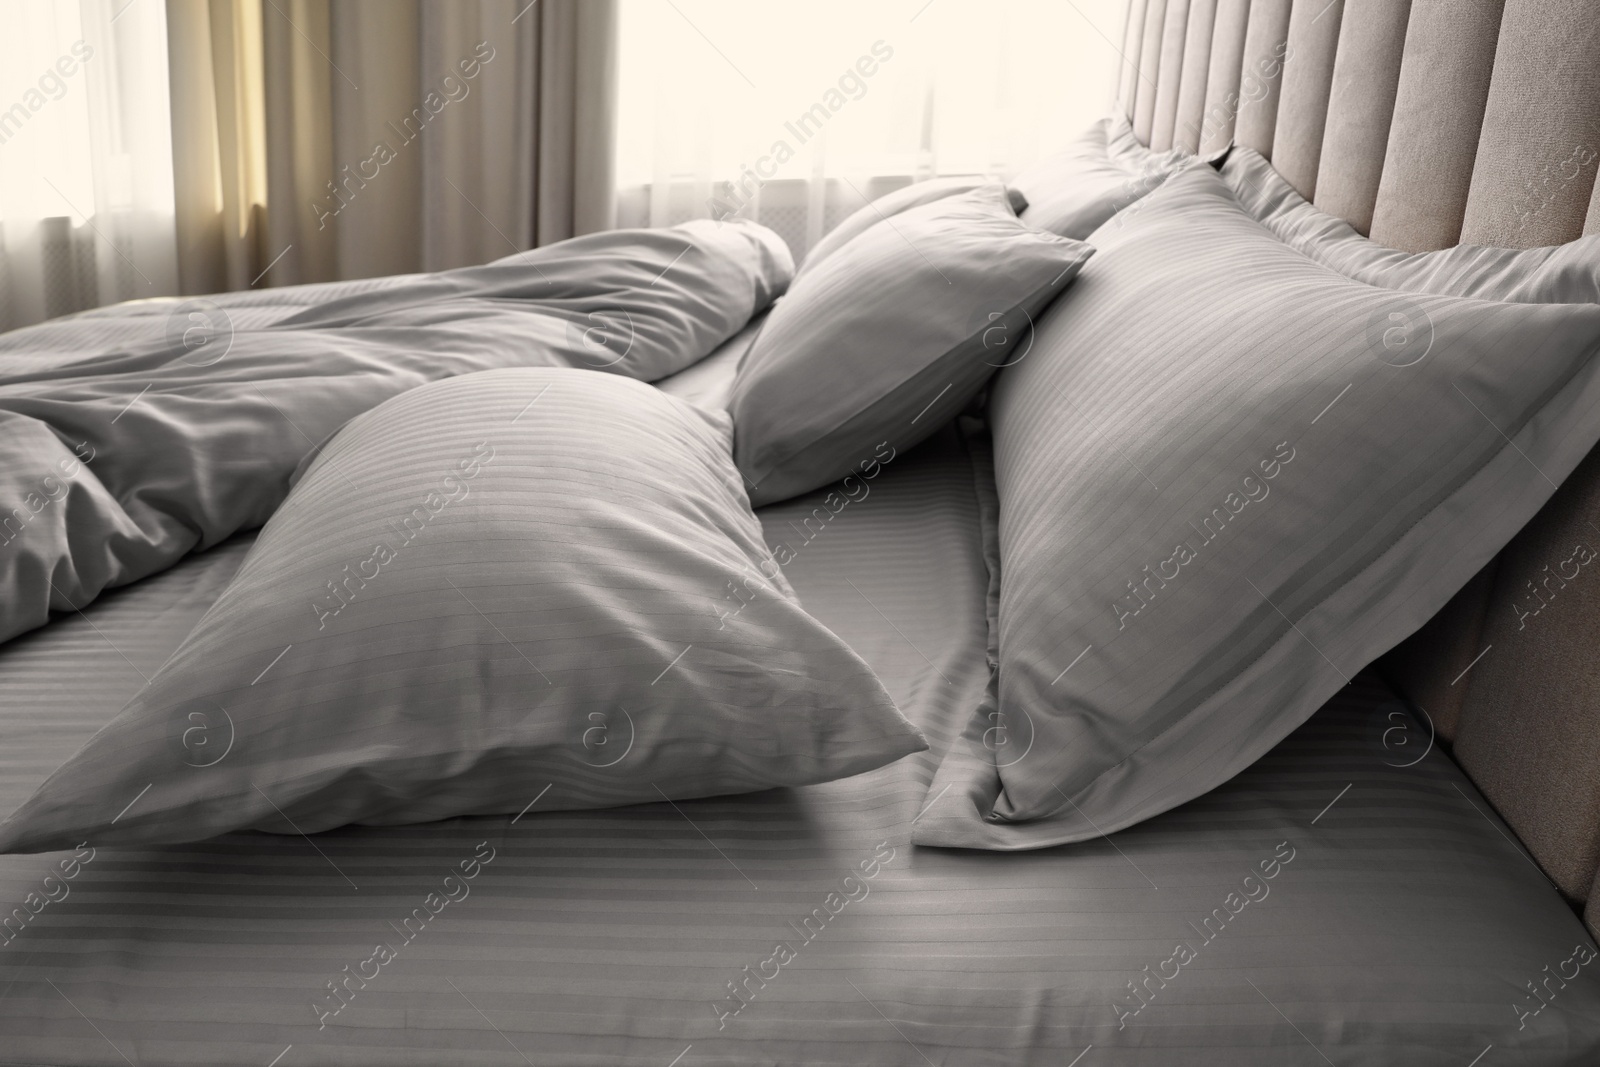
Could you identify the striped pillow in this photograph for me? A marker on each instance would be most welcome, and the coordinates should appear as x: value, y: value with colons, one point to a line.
x: 517, y: 584
x: 904, y: 198
x: 1229, y: 477
x: 890, y: 337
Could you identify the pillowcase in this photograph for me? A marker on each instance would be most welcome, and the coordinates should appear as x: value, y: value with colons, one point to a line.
x: 1230, y: 476
x: 903, y: 199
x: 1074, y: 192
x: 507, y: 586
x: 890, y: 337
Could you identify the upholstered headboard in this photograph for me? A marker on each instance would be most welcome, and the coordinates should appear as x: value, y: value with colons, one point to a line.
x: 1425, y: 124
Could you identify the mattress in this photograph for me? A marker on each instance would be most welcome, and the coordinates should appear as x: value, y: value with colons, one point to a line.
x: 794, y: 926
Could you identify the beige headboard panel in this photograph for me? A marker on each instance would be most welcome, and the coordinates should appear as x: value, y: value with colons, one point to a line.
x: 1185, y: 133
x: 1265, y: 46
x: 1307, y: 83
x: 1366, y: 73
x: 1444, y: 84
x: 1174, y: 27
x: 1427, y: 123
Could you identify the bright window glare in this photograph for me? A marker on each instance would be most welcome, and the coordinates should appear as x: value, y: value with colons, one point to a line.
x: 709, y: 87
x: 86, y: 187
x: 58, y: 146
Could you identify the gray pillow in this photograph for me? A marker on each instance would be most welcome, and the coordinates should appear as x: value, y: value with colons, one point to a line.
x: 885, y: 341
x: 1229, y: 477
x: 1106, y: 170
x: 517, y: 584
x: 903, y: 199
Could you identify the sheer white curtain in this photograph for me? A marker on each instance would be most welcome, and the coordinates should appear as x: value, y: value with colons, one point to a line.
x: 795, y: 115
x: 86, y: 211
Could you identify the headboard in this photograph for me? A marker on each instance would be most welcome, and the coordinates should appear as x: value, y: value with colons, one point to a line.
x: 1424, y: 124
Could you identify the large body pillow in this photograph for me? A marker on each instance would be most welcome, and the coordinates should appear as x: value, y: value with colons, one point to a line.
x: 507, y: 586
x: 885, y: 341
x: 1230, y: 475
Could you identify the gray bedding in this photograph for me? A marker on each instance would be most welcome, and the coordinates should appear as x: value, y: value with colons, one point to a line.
x: 1350, y: 899
x: 163, y: 427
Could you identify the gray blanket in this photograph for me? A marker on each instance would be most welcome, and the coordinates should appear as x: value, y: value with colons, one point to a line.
x: 137, y: 434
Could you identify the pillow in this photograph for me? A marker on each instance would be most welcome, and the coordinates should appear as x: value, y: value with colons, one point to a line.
x: 1230, y: 476
x: 1103, y: 172
x: 903, y: 199
x: 516, y: 584
x: 890, y: 337
x: 1556, y: 274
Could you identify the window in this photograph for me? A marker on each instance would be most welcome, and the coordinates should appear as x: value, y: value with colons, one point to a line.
x: 796, y: 115
x: 85, y: 158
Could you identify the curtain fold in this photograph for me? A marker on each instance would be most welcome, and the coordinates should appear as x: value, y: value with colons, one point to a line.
x: 195, y: 146
x: 480, y: 212
x: 297, y: 43
x: 377, y: 92
x: 406, y: 135
x: 577, y: 119
x: 218, y: 142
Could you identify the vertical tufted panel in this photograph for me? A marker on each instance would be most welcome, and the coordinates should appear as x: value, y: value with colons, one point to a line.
x: 1529, y: 733
x: 1222, y: 81
x: 1144, y: 98
x: 1132, y: 42
x: 1261, y: 76
x: 1170, y: 78
x: 1438, y: 115
x: 1366, y: 73
x: 1307, y: 78
x: 1431, y: 667
x: 1196, y: 72
x: 1536, y: 152
x: 1120, y: 69
x: 1132, y: 37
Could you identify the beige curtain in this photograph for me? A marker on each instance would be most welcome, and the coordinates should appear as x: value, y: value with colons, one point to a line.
x: 328, y: 139
x: 219, y: 173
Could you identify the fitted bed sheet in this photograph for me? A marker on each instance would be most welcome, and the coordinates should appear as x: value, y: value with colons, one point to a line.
x: 619, y: 937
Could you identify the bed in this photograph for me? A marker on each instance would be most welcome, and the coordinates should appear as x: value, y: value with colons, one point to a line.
x: 1353, y: 897
x: 613, y: 937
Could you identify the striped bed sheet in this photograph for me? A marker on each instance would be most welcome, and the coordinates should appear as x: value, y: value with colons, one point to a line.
x: 794, y: 926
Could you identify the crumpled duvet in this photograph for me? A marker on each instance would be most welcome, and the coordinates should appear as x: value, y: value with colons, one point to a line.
x: 119, y: 459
